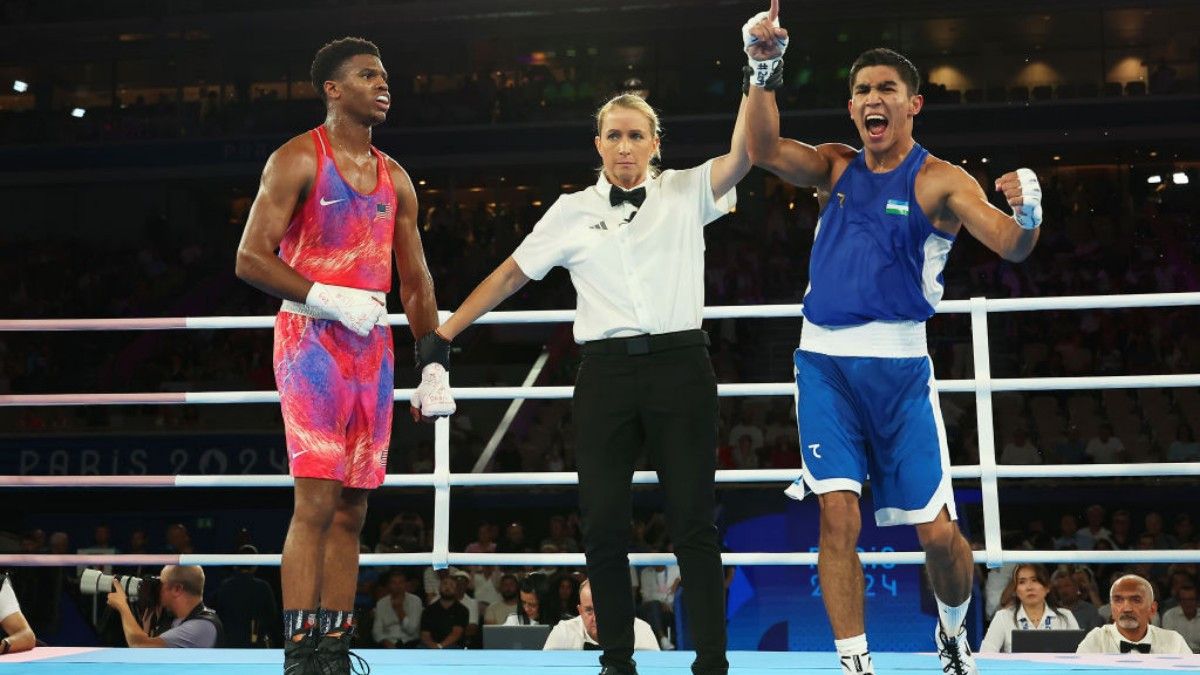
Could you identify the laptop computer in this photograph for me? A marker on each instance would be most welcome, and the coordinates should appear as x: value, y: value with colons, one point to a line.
x: 1047, y: 641
x: 515, y: 637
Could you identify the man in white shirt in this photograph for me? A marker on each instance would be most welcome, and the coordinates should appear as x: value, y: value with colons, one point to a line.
x: 1132, y: 600
x: 19, y: 636
x: 1020, y: 451
x: 1105, y: 448
x: 397, y: 614
x: 1183, y: 618
x: 658, y: 586
x: 580, y: 632
x: 1095, y: 530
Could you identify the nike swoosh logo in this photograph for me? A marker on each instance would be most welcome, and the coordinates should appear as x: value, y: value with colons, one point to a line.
x: 327, y: 203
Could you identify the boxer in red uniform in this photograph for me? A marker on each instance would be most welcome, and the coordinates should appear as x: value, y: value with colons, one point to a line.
x: 337, y: 209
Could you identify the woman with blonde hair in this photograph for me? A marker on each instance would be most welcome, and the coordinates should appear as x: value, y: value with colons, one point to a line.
x: 1030, y: 608
x: 634, y: 246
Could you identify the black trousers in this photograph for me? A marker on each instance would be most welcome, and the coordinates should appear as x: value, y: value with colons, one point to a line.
x: 656, y: 395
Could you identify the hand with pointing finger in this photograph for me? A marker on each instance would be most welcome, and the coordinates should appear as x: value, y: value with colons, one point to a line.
x: 764, y: 43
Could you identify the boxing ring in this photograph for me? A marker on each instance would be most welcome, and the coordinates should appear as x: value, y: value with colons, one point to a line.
x: 52, y: 661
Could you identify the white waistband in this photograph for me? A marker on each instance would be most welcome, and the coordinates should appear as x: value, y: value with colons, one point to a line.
x: 885, y: 339
x: 294, y: 307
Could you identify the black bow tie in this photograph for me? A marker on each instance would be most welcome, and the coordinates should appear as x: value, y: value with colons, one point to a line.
x: 1127, y: 647
x: 635, y: 196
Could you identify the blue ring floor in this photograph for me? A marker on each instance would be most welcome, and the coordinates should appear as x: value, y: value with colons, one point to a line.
x: 111, y: 661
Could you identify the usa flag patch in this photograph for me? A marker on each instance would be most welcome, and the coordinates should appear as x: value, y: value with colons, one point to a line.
x: 383, y: 211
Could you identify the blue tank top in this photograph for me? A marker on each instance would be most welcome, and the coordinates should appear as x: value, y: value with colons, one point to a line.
x: 876, y: 256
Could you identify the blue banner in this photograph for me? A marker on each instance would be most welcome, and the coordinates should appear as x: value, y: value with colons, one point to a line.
x: 143, y: 455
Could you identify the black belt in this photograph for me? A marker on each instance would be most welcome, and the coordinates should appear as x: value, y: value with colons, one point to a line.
x: 646, y: 344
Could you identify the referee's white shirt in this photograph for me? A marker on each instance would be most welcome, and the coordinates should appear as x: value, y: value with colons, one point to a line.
x: 1107, y: 640
x: 632, y: 277
x: 571, y: 634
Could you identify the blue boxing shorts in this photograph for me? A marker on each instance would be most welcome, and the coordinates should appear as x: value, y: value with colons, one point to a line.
x: 873, y: 417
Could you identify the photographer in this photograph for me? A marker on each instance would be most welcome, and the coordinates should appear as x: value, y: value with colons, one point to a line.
x: 182, y: 593
x: 17, y: 635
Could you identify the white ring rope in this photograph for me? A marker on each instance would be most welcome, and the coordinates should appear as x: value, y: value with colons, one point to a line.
x: 565, y: 315
x: 559, y: 478
x: 442, y: 480
x: 577, y: 559
x: 505, y: 393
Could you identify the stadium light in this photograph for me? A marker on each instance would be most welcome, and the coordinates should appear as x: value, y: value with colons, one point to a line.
x: 20, y: 87
x: 1154, y: 180
x: 78, y: 113
x: 1179, y: 178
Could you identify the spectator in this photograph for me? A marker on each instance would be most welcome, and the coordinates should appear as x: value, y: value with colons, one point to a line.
x: 1104, y: 448
x: 514, y: 540
x: 566, y: 596
x: 745, y: 456
x: 658, y: 586
x: 485, y: 542
x: 1094, y: 530
x: 1184, y: 448
x: 444, y: 622
x: 1154, y: 528
x: 1030, y: 609
x: 1122, y: 530
x: 1070, y: 450
x: 1068, y: 596
x: 497, y: 613
x: 1183, y: 619
x: 1068, y: 534
x: 558, y: 538
x: 248, y: 609
x: 1020, y: 451
x: 462, y: 580
x: 397, y: 622
x: 746, y: 427
x: 19, y: 636
x: 1133, y: 604
x: 1185, y: 530
x: 579, y: 632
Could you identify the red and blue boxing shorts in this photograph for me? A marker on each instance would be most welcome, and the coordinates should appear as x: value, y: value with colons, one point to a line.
x: 335, y: 389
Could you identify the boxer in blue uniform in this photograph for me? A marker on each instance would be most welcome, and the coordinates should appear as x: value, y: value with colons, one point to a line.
x: 866, y: 401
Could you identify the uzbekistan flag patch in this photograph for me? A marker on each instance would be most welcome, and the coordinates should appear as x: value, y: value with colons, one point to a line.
x: 896, y: 207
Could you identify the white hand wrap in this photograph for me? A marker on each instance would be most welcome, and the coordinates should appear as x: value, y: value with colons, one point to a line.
x: 1029, y: 213
x: 762, y: 69
x: 433, y: 397
x: 353, y: 308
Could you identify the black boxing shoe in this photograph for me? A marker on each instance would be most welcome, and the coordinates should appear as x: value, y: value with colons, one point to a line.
x: 333, y: 656
x: 300, y: 657
x: 611, y: 670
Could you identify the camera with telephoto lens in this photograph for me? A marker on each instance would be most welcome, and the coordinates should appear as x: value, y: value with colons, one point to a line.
x: 142, y: 591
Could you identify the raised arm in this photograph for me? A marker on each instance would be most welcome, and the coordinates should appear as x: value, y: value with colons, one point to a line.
x: 795, y: 162
x: 501, y: 283
x: 289, y: 173
x: 416, y: 284
x: 728, y: 170
x: 1011, y: 236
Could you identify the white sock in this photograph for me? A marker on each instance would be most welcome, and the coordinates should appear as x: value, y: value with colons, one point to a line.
x: 855, y: 656
x: 952, y: 617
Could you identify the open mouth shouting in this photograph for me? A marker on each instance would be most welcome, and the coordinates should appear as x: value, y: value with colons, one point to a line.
x: 876, y: 124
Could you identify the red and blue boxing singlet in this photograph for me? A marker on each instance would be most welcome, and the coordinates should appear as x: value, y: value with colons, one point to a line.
x: 335, y: 387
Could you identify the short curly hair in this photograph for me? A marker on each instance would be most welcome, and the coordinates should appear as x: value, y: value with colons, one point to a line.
x: 333, y: 56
